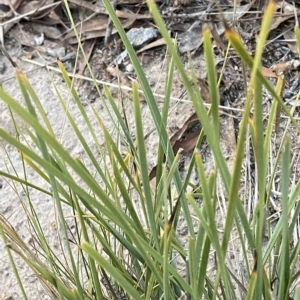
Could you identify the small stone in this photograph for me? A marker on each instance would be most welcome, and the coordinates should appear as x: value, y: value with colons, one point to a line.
x: 138, y: 37
x: 92, y: 97
x: 7, y: 298
x: 191, y: 39
x: 129, y: 68
x: 39, y: 39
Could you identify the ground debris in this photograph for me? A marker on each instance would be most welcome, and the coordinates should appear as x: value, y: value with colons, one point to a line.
x: 138, y: 37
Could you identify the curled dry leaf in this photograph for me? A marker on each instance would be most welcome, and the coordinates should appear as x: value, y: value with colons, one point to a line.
x: 184, y: 139
x: 282, y: 68
x: 33, y: 9
x: 94, y: 28
x: 268, y: 72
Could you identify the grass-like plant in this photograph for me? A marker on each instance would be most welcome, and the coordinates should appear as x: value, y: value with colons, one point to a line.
x: 129, y: 250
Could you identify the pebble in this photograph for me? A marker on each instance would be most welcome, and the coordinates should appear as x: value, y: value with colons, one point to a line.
x: 138, y: 37
x: 129, y: 68
x: 191, y: 39
x: 39, y: 39
x: 92, y: 97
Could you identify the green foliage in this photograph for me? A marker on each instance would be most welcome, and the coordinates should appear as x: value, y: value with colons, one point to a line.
x: 124, y: 249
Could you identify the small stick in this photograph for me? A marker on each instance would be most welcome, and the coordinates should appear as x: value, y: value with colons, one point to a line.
x: 109, y: 27
x: 14, y: 64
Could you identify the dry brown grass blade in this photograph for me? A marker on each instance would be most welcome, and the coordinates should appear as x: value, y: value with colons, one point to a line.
x: 261, y: 5
x: 157, y: 43
x: 88, y: 47
x: 18, y: 3
x: 217, y: 38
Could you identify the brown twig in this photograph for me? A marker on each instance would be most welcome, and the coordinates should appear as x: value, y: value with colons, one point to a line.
x: 108, y: 35
x: 14, y: 64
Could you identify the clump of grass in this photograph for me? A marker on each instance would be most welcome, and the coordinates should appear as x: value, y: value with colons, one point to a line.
x: 126, y: 250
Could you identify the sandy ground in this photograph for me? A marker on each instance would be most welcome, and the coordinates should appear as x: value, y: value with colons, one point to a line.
x: 10, y: 203
x: 12, y: 197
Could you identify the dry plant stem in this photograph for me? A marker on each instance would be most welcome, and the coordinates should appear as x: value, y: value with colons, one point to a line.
x: 108, y: 34
x: 57, y: 70
x: 88, y: 49
x: 8, y: 56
